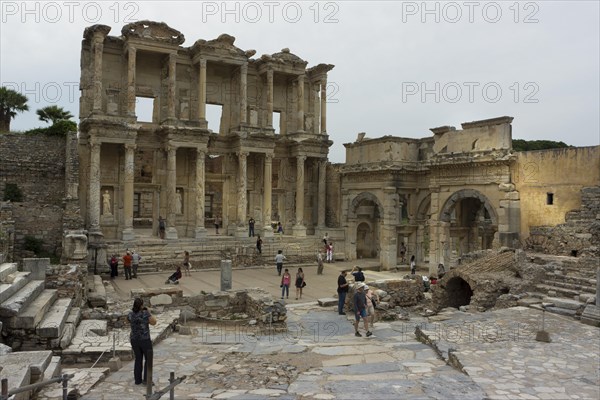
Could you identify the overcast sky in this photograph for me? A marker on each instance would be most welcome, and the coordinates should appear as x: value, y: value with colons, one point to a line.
x: 401, y: 67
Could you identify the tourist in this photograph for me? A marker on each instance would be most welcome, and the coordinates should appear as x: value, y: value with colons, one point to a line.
x: 358, y: 274
x: 325, y: 239
x: 127, y: 260
x: 259, y: 244
x: 186, y: 263
x: 217, y: 223
x: 161, y: 227
x: 372, y: 300
x: 251, y: 227
x: 413, y: 265
x: 279, y: 257
x: 342, y: 291
x: 279, y: 228
x: 360, y: 309
x: 141, y: 343
x: 441, y: 271
x: 319, y: 262
x: 175, y: 276
x: 135, y: 262
x: 114, y: 266
x: 330, y: 252
x: 299, y: 283
x: 402, y: 253
x: 286, y: 279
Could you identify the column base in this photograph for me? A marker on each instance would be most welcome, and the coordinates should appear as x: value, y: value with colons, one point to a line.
x: 241, y: 232
x: 171, y: 234
x: 299, y: 231
x: 267, y: 231
x: 201, y: 233
x: 128, y: 234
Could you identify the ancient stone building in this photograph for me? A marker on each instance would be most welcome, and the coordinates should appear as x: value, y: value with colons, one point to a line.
x: 453, y: 193
x: 135, y: 171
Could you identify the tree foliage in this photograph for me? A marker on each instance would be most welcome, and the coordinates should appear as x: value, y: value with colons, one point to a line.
x: 11, y: 103
x: 53, y: 114
x: 59, y: 128
x: 528, y: 145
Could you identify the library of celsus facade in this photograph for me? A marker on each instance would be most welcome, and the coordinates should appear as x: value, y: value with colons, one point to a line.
x: 134, y: 172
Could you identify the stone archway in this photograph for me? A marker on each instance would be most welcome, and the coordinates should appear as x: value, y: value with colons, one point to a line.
x: 471, y: 220
x: 459, y: 292
x: 365, y: 243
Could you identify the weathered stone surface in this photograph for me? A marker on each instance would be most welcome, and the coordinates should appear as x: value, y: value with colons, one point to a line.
x: 327, y: 301
x: 7, y: 269
x: 591, y: 315
x: 97, y: 297
x: 161, y: 299
x: 565, y: 303
x: 54, y: 321
x: 22, y: 299
x: 37, y: 267
x: 34, y: 312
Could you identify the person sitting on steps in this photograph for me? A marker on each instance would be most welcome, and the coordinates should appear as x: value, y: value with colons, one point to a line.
x: 175, y: 276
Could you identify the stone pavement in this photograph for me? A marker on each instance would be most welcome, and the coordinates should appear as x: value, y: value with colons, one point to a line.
x: 452, y: 355
x: 320, y: 358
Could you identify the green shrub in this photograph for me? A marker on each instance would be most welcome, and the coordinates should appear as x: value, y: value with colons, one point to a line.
x: 60, y: 128
x: 12, y: 193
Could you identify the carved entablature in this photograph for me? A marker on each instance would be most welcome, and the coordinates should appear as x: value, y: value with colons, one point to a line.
x: 91, y: 31
x: 285, y: 57
x: 221, y: 46
x: 154, y: 31
x: 319, y: 72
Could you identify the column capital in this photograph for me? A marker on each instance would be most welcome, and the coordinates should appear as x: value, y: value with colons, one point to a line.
x: 130, y: 146
x: 301, y: 158
x: 202, y: 63
x: 244, y: 68
x: 242, y: 154
x: 94, y: 143
x: 170, y: 148
x: 269, y: 157
x: 201, y: 152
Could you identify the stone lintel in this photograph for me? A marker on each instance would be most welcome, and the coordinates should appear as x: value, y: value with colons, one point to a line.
x: 487, y: 122
x: 442, y: 129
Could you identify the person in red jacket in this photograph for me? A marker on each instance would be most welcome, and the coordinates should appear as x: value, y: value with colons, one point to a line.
x: 127, y: 261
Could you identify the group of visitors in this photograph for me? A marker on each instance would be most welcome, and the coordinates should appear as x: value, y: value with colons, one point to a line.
x: 328, y: 248
x: 365, y: 300
x: 131, y: 262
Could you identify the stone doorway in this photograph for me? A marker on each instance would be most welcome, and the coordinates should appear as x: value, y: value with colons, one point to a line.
x: 365, y: 241
x: 459, y: 292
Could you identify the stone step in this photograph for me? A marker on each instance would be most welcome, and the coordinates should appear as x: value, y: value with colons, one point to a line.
x: 17, y: 281
x: 577, y: 279
x: 563, y: 303
x: 22, y: 299
x: 54, y: 368
x: 97, y: 294
x: 7, y: 269
x: 29, y: 317
x: 563, y: 292
x: 83, y: 381
x: 26, y: 367
x: 571, y: 286
x: 53, y: 323
x: 68, y: 331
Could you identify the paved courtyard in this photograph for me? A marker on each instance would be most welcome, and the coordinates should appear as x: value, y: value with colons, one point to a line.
x: 494, y: 355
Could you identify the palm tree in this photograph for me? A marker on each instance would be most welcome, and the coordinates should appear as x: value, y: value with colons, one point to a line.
x: 11, y: 103
x: 54, y: 114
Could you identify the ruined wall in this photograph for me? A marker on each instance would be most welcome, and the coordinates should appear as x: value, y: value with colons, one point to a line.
x: 36, y: 164
x: 476, y: 136
x: 387, y: 148
x: 562, y: 172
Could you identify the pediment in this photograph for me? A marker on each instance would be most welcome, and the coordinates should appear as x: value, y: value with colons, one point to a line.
x: 154, y: 31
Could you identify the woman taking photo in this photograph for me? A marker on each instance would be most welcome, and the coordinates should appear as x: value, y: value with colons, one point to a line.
x: 140, y: 318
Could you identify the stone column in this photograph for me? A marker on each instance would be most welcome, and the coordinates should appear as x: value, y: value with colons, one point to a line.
x: 131, y: 55
x: 270, y: 98
x: 202, y: 91
x: 243, y: 93
x: 267, y: 199
x: 300, y: 114
x: 171, y: 232
x: 200, y: 194
x: 128, y: 233
x: 316, y: 108
x: 299, y: 229
x: 98, y: 49
x: 388, y: 241
x: 172, y: 86
x: 322, y: 205
x: 226, y: 275
x: 598, y: 286
x: 324, y: 106
x: 94, y: 190
x: 241, y: 205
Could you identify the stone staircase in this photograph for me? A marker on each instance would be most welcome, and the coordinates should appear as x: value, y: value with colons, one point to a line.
x: 29, y: 367
x: 569, y: 284
x: 31, y: 316
x: 160, y: 254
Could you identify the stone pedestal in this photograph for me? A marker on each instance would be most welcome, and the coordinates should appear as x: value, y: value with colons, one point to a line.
x: 226, y: 278
x: 591, y: 315
x: 267, y: 231
x: 201, y: 233
x: 115, y: 364
x: 241, y: 232
x: 128, y: 234
x: 299, y: 231
x: 37, y: 267
x: 171, y: 234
